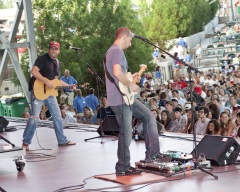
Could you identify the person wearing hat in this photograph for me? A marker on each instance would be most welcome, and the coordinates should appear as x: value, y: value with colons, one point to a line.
x: 46, y: 68
x: 179, y: 123
x: 175, y: 102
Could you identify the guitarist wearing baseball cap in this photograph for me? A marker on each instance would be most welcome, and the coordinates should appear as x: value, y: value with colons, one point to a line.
x: 45, y: 73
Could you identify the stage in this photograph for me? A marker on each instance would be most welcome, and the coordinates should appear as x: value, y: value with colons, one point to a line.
x: 49, y: 167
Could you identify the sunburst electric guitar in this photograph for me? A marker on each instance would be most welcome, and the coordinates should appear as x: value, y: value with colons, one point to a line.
x: 128, y: 95
x: 41, y: 91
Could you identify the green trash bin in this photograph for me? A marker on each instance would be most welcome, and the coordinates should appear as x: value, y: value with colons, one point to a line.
x: 1, y: 109
x: 4, y: 105
x: 15, y: 106
x: 238, y: 8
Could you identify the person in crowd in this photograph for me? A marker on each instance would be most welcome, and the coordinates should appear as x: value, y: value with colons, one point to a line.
x: 180, y: 100
x: 201, y: 124
x: 187, y: 58
x: 79, y: 103
x: 92, y: 101
x: 213, y: 128
x: 210, y: 114
x: 189, y: 127
x: 158, y: 75
x: 169, y: 108
x: 237, y: 124
x: 104, y: 110
x: 198, y: 51
x: 26, y: 114
x: 67, y: 93
x: 46, y: 68
x: 181, y: 42
x: 213, y: 109
x: 155, y: 55
x: 166, y: 120
x: 42, y: 115
x: 160, y: 127
x: 88, y: 116
x: 179, y: 122
x: 66, y: 117
x: 226, y: 125
x: 175, y: 102
x: 143, y: 97
x: 163, y: 99
x: 115, y: 67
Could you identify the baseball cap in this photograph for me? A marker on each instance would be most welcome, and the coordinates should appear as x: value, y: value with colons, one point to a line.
x: 198, y: 90
x: 54, y: 44
x: 174, y: 85
x: 174, y: 99
x: 188, y: 106
x: 178, y: 109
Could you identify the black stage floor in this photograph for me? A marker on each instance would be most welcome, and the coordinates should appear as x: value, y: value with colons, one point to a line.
x: 59, y: 167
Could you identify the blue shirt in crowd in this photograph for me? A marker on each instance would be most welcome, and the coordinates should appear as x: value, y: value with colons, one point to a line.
x: 92, y: 101
x: 69, y: 80
x: 79, y: 103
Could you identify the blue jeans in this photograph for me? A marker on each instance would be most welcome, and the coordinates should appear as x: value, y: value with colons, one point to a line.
x: 124, y: 115
x: 36, y: 107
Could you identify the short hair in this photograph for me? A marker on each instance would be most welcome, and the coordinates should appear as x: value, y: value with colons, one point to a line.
x: 163, y: 95
x: 91, y: 91
x: 175, y: 91
x: 122, y: 31
x: 104, y: 96
x: 205, y: 109
x: 168, y: 102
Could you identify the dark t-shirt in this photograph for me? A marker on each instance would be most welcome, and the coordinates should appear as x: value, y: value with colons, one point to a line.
x: 49, y: 68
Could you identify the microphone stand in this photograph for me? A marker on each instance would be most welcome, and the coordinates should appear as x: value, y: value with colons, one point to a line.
x: 98, y: 80
x: 190, y: 82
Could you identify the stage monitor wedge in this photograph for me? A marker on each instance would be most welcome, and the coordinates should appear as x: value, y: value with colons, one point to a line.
x: 220, y: 150
x: 109, y: 126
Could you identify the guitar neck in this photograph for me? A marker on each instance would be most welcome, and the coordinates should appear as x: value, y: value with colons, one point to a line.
x: 135, y: 79
x: 63, y: 87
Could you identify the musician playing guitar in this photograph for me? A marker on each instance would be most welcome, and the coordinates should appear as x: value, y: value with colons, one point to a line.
x: 116, y: 65
x: 45, y: 70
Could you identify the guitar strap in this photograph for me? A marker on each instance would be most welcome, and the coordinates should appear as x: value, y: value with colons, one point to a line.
x: 109, y: 76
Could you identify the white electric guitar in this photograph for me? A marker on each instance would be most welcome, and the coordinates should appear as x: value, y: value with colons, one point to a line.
x: 128, y: 95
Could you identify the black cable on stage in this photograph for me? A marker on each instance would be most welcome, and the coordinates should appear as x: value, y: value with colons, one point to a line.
x: 73, y: 187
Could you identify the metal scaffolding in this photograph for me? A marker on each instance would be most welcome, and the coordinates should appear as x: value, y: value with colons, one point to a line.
x: 8, y: 44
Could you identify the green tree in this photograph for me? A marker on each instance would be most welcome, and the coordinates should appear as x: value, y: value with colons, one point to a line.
x: 91, y: 26
x: 174, y: 18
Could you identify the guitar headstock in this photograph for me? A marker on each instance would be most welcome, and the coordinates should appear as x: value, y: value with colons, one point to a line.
x: 85, y: 85
x: 143, y: 67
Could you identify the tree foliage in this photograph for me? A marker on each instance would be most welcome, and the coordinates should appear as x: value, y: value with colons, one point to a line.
x: 176, y: 18
x: 91, y: 26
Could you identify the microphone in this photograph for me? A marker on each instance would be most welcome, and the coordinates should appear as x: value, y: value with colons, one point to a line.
x: 74, y: 48
x: 138, y: 37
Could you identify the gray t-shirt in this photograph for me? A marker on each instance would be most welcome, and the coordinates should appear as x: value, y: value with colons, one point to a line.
x: 114, y: 55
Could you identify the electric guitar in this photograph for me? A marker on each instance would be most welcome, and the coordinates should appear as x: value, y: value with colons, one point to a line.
x: 128, y: 95
x: 41, y: 91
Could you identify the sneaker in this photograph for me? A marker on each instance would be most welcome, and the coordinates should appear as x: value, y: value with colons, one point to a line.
x: 161, y: 158
x: 25, y: 146
x: 130, y: 171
